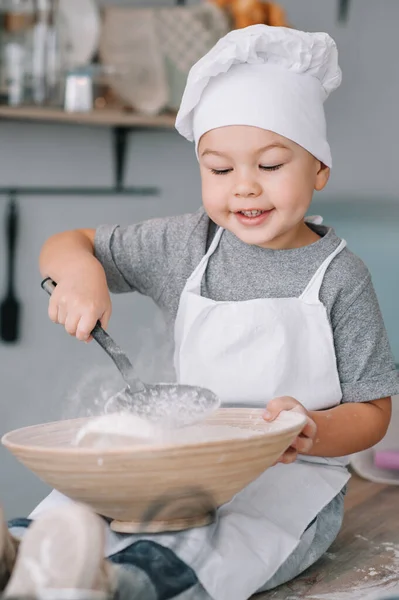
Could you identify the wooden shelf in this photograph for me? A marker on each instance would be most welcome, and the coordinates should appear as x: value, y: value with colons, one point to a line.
x: 120, y: 121
x: 105, y: 117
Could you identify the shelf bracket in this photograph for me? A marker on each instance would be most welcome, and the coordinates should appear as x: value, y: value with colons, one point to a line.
x: 120, y: 146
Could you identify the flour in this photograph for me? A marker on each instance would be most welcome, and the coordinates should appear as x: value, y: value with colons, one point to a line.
x: 392, y: 548
x: 93, y: 390
x: 165, y: 404
x: 150, y: 348
x: 124, y: 429
x: 374, y: 583
x: 117, y: 429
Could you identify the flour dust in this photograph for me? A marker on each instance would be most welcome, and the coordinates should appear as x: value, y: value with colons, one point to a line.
x: 128, y: 430
x: 152, y: 357
x: 380, y: 582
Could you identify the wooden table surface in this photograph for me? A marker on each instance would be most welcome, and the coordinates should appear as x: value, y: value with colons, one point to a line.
x: 364, y: 560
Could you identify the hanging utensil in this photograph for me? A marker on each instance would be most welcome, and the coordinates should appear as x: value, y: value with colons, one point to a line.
x: 172, y: 405
x: 343, y: 11
x: 10, y: 307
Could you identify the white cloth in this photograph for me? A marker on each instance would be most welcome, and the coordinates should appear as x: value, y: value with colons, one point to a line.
x: 274, y: 78
x: 250, y: 352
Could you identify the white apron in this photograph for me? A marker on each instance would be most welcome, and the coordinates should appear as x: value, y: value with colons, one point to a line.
x: 249, y: 353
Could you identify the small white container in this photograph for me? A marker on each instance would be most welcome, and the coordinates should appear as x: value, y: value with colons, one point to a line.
x: 78, y: 93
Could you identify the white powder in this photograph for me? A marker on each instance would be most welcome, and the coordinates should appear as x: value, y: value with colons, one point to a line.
x: 116, y: 429
x: 91, y: 393
x: 167, y: 404
x: 151, y: 352
x: 372, y: 572
x: 121, y: 429
x: 388, y: 547
x: 374, y: 583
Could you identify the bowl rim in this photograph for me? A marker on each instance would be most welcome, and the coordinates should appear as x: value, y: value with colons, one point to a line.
x: 144, y: 449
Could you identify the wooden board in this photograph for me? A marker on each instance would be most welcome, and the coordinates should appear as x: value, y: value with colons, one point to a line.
x: 364, y: 560
x: 105, y: 117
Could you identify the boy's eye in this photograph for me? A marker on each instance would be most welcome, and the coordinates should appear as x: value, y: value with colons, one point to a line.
x: 221, y: 171
x: 273, y: 168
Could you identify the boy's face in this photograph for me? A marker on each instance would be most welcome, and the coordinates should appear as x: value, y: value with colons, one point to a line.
x: 258, y: 184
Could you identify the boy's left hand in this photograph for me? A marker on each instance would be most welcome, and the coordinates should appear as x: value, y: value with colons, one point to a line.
x: 304, y: 442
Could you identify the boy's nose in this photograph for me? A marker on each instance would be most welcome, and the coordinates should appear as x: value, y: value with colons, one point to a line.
x: 247, y: 189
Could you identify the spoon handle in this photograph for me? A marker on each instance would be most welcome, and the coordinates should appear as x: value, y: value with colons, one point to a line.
x: 106, y: 342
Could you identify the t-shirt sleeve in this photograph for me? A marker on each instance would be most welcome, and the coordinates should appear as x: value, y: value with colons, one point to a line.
x: 138, y: 257
x: 365, y: 362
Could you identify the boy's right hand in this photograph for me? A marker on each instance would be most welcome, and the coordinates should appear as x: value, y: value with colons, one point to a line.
x: 81, y: 298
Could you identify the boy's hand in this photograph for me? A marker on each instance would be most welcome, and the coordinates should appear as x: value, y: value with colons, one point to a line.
x: 81, y: 298
x: 304, y: 442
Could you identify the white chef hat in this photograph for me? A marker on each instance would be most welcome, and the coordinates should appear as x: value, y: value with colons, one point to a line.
x: 274, y: 78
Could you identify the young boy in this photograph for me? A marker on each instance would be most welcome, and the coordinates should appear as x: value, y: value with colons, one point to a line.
x: 268, y: 309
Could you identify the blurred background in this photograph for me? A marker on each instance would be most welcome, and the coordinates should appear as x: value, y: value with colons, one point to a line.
x: 88, y: 92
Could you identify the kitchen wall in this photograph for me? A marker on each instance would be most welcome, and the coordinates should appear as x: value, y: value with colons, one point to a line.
x: 361, y: 201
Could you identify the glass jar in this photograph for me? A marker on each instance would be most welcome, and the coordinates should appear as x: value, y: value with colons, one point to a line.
x: 16, y: 44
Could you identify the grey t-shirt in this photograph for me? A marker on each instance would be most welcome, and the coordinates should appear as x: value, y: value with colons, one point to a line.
x: 156, y: 258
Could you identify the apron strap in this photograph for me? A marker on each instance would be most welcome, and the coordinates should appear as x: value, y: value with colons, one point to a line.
x: 215, y: 243
x: 194, y: 281
x: 312, y: 290
x: 315, y: 219
x: 193, y: 285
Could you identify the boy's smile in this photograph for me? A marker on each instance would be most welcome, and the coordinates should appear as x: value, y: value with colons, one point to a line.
x: 259, y: 185
x: 253, y: 217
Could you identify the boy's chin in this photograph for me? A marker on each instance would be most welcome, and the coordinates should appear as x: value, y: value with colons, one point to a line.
x: 253, y: 237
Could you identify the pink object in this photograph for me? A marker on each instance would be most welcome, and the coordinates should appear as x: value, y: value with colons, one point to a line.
x: 387, y: 459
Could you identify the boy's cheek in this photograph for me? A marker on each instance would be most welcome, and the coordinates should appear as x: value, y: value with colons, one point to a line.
x: 214, y: 209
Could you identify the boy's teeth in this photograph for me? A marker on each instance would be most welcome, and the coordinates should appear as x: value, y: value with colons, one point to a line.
x: 251, y: 213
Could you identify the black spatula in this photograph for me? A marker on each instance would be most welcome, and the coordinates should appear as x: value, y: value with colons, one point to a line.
x: 10, y: 307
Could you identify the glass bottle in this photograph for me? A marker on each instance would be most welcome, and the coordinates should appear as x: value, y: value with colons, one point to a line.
x: 40, y: 32
x: 55, y: 60
x: 17, y: 19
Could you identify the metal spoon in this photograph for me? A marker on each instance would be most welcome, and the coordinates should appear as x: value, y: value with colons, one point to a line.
x: 172, y: 405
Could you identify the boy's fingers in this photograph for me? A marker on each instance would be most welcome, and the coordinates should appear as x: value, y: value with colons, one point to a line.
x: 303, y: 444
x: 277, y: 405
x: 85, y: 327
x: 289, y: 456
x: 71, y: 323
x: 52, y: 310
x: 310, y: 429
x: 61, y: 315
x: 105, y: 319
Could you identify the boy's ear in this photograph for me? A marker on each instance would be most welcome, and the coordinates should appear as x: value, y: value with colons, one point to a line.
x: 322, y: 176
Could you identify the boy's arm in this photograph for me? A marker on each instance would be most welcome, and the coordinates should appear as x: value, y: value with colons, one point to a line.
x: 63, y: 251
x: 351, y: 427
x: 339, y: 431
x: 81, y: 297
x: 86, y: 264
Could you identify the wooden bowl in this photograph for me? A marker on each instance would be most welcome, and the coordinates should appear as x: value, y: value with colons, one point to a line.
x: 155, y: 488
